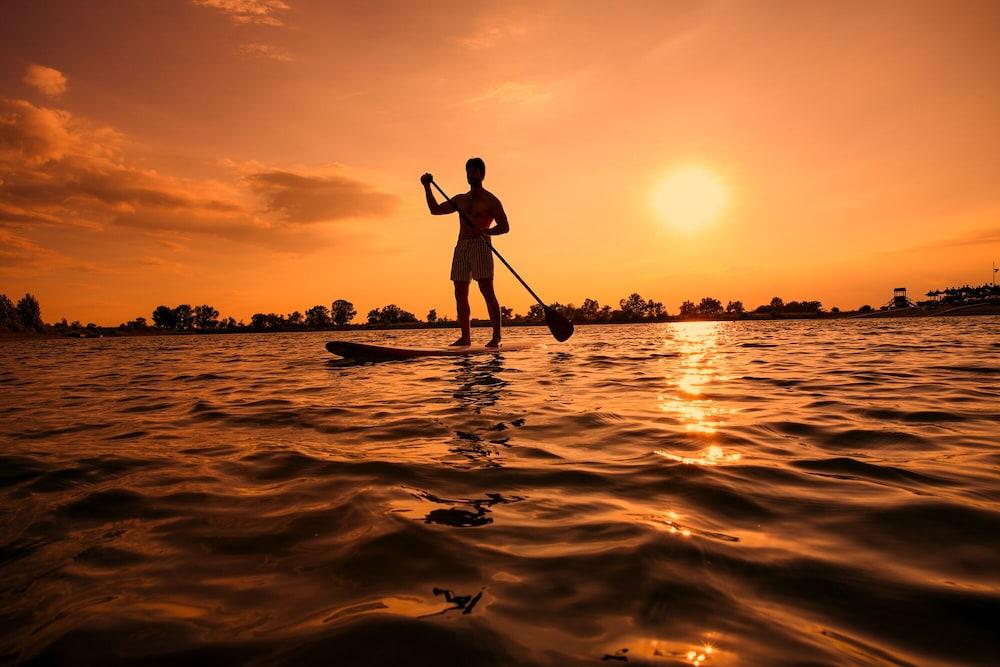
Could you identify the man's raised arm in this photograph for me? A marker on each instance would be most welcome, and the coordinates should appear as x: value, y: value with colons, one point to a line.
x: 434, y: 207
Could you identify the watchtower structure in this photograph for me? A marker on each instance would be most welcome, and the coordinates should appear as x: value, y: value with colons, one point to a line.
x: 899, y: 299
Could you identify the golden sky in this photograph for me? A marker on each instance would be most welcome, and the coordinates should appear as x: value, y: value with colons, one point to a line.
x: 264, y: 155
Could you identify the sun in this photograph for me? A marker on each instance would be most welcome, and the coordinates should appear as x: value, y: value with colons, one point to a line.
x: 690, y: 197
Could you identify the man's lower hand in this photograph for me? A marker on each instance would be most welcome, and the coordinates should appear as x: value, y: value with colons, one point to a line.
x: 426, y: 179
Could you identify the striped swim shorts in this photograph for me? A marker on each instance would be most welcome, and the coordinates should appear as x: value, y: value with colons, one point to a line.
x: 473, y: 260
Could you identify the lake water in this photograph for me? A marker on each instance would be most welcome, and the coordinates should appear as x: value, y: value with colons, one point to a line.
x: 767, y: 493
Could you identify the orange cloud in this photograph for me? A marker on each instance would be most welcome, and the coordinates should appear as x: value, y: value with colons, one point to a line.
x: 268, y: 51
x: 49, y: 81
x: 261, y: 12
x: 60, y: 171
x: 303, y: 199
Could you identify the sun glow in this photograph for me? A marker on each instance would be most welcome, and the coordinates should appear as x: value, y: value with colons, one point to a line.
x: 689, y: 197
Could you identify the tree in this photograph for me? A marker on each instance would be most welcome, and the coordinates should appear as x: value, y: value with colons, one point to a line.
x: 29, y: 313
x: 835, y: 310
x: 735, y: 308
x: 589, y: 310
x: 342, y: 312
x: 391, y: 314
x: 777, y: 304
x: 229, y: 323
x: 506, y: 314
x: 710, y: 307
x: 164, y: 317
x: 688, y: 309
x: 655, y: 309
x: 317, y: 316
x: 865, y: 309
x: 535, y: 313
x: 206, y: 317
x: 432, y: 315
x: 633, y: 307
x: 9, y: 320
x: 267, y: 321
x: 605, y: 314
x: 295, y: 319
x: 184, y: 317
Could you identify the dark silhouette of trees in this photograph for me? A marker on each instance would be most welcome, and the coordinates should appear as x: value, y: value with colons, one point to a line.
x: 633, y: 307
x: 590, y: 310
x: 138, y: 324
x: 710, y: 307
x: 778, y: 307
x: 809, y: 307
x: 688, y: 310
x: 9, y: 321
x: 535, y: 313
x: 506, y: 314
x: 391, y: 314
x: 317, y: 316
x: 655, y: 310
x: 29, y: 313
x: 164, y: 317
x: 342, y: 312
x: 206, y: 317
x: 268, y: 321
x: 295, y: 319
x: 185, y: 317
x: 432, y: 315
x: 865, y: 309
x: 735, y: 308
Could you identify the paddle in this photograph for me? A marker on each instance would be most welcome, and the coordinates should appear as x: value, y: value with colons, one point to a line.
x: 558, y: 324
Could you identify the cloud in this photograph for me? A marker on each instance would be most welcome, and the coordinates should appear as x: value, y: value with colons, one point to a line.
x: 58, y: 171
x: 31, y: 135
x: 300, y: 198
x: 49, y: 81
x: 268, y: 51
x: 260, y: 12
x: 513, y: 92
x: 18, y: 253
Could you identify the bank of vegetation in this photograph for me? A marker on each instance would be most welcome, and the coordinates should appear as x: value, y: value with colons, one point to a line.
x: 25, y: 316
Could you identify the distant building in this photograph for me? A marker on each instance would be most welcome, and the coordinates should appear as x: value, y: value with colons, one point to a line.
x: 899, y: 300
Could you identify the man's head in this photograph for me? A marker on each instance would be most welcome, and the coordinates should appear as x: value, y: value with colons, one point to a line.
x: 475, y: 170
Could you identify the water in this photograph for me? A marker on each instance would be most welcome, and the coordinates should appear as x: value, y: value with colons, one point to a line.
x: 821, y: 493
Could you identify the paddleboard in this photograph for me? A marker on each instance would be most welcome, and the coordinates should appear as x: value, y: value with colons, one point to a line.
x: 364, y: 352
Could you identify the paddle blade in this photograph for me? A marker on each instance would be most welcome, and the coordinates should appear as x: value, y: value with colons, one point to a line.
x: 559, y: 325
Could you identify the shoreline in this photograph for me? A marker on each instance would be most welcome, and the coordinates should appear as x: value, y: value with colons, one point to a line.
x: 916, y: 312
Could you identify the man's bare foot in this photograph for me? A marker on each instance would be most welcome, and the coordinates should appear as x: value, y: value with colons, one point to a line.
x: 494, y: 342
x: 461, y: 342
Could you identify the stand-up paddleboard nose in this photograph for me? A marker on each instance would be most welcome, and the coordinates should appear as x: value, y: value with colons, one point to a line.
x: 365, y: 352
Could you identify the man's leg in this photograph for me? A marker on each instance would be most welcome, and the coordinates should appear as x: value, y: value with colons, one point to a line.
x: 464, y: 311
x: 493, y: 306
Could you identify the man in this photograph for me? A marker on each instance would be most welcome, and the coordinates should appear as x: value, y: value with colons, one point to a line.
x: 473, y: 258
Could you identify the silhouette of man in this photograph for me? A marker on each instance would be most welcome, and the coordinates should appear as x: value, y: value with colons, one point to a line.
x: 473, y: 258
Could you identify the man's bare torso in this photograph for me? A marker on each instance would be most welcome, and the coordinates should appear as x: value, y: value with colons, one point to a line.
x: 480, y: 207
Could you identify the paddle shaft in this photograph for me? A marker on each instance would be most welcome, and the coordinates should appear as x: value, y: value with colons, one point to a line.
x: 495, y: 251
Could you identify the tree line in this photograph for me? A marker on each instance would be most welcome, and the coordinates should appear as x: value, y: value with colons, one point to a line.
x: 23, y: 316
